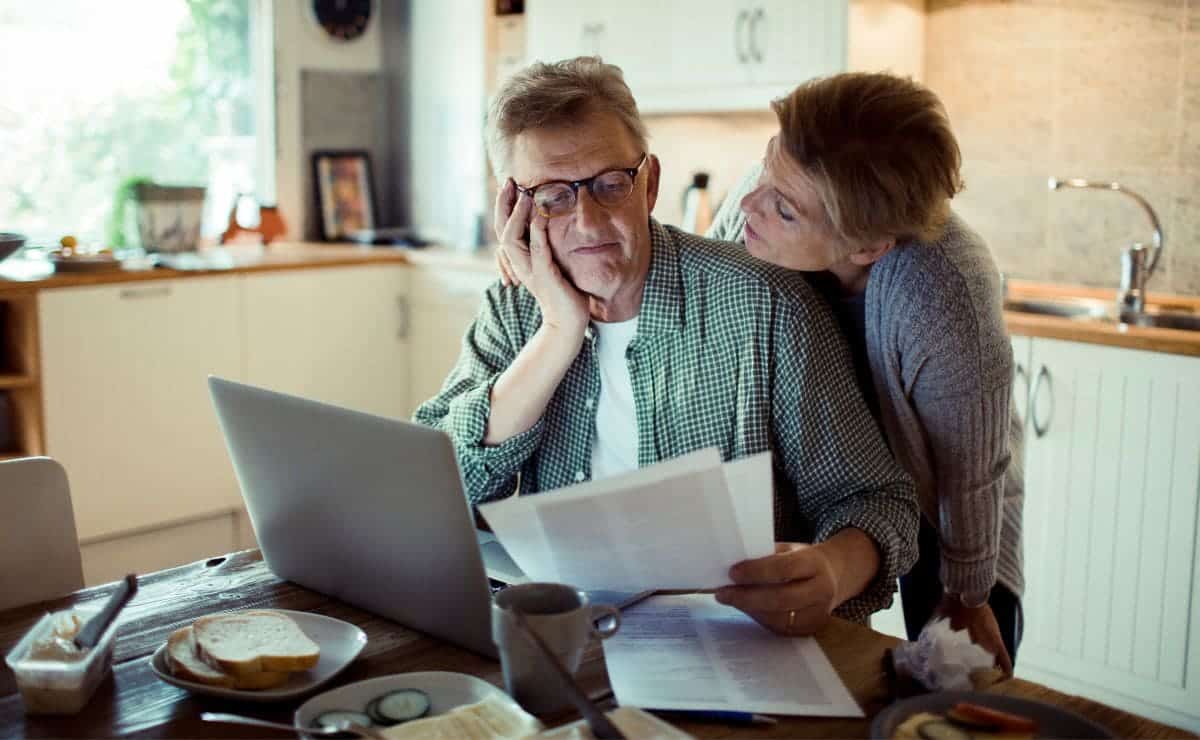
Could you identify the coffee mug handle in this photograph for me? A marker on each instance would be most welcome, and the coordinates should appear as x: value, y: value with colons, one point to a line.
x: 610, y: 614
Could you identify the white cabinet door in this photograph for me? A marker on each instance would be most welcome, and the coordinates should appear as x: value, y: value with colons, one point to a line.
x: 1112, y: 479
x: 445, y: 303
x: 127, y: 410
x: 337, y: 335
x: 795, y: 40
x: 557, y: 30
x: 1022, y: 348
x: 147, y: 551
x: 698, y: 55
x: 709, y: 60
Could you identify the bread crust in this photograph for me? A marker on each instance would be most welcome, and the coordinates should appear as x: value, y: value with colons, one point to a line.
x: 184, y: 661
x: 300, y: 655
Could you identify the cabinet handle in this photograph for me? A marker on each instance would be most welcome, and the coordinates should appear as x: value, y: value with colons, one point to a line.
x: 1021, y: 379
x: 402, y: 317
x: 738, y: 27
x: 156, y: 291
x: 1038, y: 429
x: 756, y: 52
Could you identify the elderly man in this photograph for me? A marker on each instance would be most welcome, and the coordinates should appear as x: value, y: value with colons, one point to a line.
x: 629, y: 343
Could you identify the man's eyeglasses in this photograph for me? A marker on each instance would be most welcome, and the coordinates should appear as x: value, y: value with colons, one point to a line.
x: 609, y: 188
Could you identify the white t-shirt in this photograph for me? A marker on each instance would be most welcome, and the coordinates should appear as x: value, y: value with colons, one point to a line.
x: 615, y: 448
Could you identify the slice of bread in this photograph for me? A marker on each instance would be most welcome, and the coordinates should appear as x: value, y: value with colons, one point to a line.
x: 184, y: 662
x: 243, y: 643
x: 492, y: 717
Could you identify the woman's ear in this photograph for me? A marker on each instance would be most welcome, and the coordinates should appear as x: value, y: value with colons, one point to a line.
x: 871, y: 252
x: 652, y: 173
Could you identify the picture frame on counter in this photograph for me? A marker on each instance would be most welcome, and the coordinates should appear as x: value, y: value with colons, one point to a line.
x: 345, y: 192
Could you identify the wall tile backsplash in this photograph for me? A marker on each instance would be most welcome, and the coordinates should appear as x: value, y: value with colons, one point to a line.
x: 724, y: 146
x: 1101, y: 89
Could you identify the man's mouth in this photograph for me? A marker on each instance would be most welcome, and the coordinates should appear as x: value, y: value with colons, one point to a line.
x: 594, y: 248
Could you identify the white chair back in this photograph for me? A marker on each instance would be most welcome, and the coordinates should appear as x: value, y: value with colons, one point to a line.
x: 39, y: 549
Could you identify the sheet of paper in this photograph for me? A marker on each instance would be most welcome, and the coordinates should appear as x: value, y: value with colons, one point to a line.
x: 747, y: 478
x: 674, y: 525
x: 689, y: 652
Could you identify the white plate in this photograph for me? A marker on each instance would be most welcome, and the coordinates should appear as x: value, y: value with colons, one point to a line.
x: 445, y: 691
x: 340, y: 642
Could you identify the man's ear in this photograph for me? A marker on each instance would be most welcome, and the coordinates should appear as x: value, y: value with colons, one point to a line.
x: 652, y: 172
x: 871, y: 252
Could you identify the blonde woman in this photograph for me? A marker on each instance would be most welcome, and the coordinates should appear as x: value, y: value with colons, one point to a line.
x: 856, y: 189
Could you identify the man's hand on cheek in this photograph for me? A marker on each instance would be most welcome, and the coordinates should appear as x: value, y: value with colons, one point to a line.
x: 792, y: 592
x: 564, y: 308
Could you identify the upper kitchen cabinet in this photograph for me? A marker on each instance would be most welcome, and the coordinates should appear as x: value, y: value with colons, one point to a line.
x: 685, y: 55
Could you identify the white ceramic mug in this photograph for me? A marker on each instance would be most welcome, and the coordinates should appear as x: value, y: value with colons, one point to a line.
x: 566, y: 622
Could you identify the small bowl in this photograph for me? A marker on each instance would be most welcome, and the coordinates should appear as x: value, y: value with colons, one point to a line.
x: 10, y: 244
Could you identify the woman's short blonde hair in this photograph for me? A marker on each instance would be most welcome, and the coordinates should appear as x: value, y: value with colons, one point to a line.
x: 879, y: 151
x: 558, y: 94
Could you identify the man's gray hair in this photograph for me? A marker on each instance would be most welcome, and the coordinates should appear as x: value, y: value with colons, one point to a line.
x: 550, y: 95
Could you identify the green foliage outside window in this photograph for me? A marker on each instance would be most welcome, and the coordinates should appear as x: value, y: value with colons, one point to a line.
x: 65, y: 173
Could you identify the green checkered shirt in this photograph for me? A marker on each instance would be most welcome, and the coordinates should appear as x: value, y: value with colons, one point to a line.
x: 730, y: 352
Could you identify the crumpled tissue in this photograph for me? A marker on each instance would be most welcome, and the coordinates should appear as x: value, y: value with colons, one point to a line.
x: 942, y: 659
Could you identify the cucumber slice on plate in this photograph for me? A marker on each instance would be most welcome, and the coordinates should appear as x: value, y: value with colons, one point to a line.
x: 399, y: 706
x: 335, y: 718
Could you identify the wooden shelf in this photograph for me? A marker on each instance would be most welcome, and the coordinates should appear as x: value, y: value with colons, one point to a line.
x: 10, y: 381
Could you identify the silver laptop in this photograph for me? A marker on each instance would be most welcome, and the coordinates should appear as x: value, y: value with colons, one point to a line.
x: 365, y: 509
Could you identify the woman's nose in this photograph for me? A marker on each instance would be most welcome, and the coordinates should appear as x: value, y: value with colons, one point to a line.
x: 749, y: 203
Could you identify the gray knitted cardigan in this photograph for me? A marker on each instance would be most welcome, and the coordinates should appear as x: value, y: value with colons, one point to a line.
x: 942, y: 365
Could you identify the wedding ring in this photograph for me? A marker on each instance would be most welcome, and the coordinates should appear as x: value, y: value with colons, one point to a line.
x: 791, y: 619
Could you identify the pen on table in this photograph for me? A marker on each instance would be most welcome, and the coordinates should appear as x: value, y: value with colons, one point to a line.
x: 733, y: 718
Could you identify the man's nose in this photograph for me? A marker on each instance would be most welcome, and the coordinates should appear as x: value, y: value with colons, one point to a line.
x: 589, y: 215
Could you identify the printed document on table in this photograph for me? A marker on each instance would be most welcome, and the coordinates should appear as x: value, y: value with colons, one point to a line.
x: 688, y: 652
x: 676, y: 525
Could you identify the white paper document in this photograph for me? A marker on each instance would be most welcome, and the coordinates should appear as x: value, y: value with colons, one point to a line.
x: 689, y: 652
x: 676, y: 525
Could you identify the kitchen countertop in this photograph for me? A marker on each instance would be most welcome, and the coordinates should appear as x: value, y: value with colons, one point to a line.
x: 309, y: 255
x: 1171, y: 341
x: 25, y: 276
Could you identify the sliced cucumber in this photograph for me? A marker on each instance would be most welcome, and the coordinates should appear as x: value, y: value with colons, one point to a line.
x: 937, y: 729
x: 334, y: 719
x: 395, y: 707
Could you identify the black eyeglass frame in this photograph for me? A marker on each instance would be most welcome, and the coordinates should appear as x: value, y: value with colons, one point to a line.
x: 586, y: 182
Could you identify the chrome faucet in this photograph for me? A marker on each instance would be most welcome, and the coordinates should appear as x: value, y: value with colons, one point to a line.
x: 1136, y: 265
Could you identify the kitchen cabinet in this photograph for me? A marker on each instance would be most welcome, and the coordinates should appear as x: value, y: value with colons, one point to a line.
x: 1112, y: 477
x: 683, y: 55
x: 444, y: 303
x: 107, y: 560
x: 126, y: 405
x: 337, y: 335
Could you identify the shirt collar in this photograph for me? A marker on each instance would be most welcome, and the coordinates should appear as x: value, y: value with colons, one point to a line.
x: 662, y: 297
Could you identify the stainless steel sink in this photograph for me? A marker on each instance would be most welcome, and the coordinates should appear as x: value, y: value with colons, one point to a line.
x: 1091, y: 309
x: 1065, y: 308
x: 1164, y: 320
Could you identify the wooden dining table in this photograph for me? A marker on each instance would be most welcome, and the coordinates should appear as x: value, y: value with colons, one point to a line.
x: 133, y: 701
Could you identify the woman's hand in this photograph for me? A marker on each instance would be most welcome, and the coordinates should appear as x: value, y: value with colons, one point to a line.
x: 980, y: 624
x: 792, y: 592
x: 564, y: 308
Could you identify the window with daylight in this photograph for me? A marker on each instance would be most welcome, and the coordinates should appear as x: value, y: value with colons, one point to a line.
x: 95, y: 95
